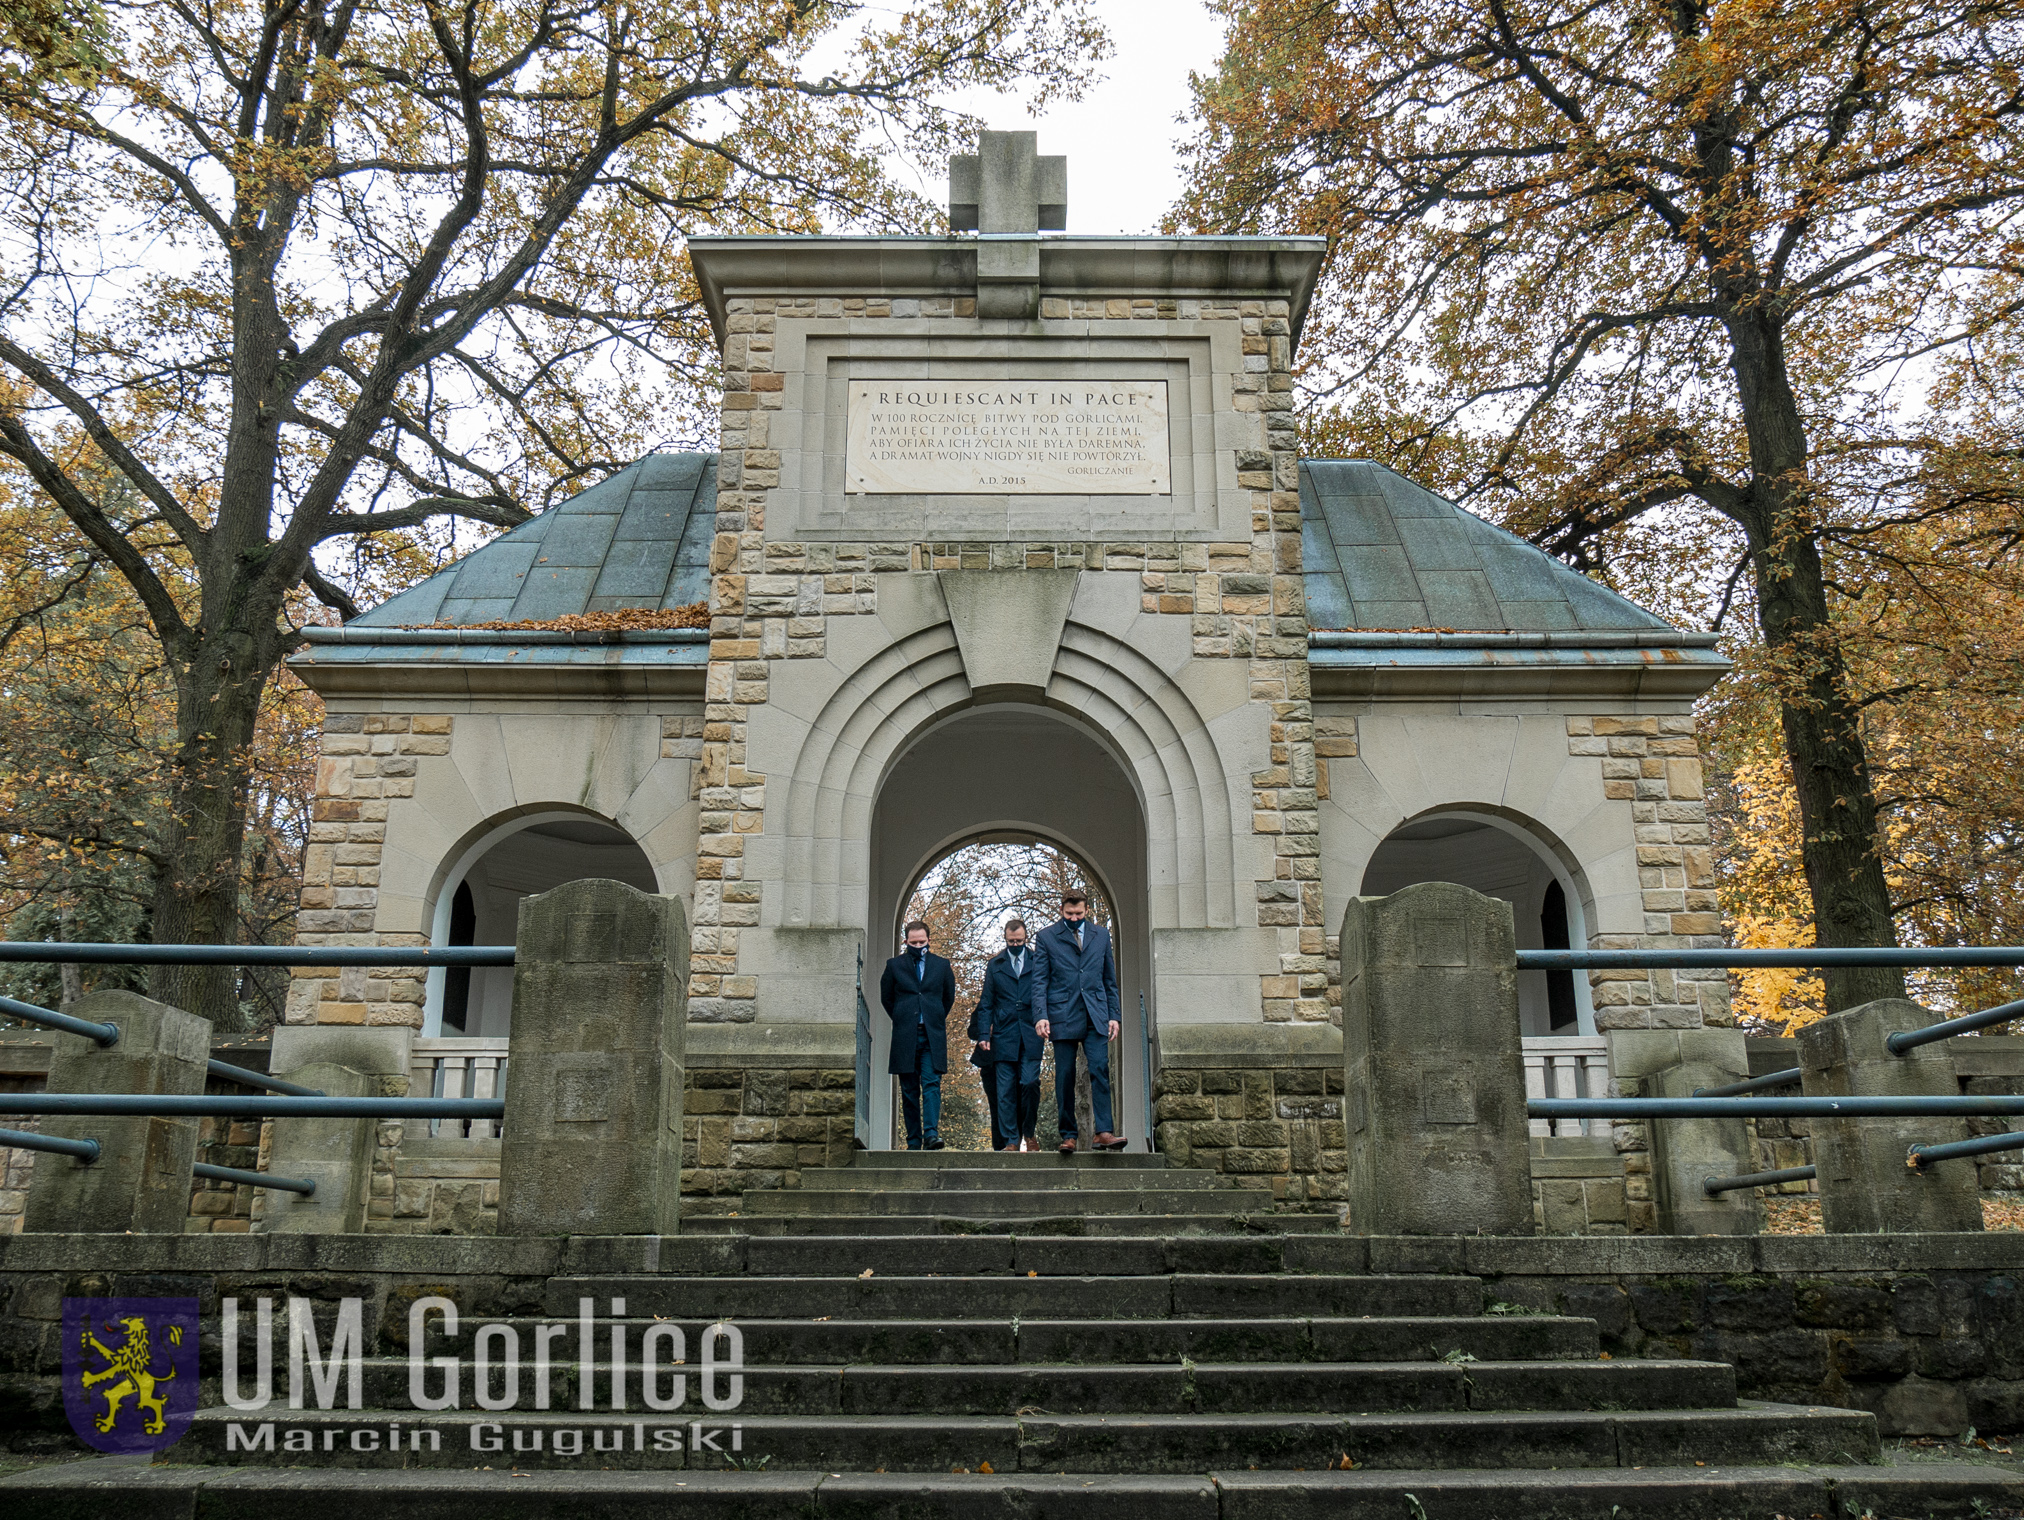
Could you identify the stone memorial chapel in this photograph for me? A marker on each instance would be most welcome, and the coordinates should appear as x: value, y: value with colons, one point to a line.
x: 1007, y: 536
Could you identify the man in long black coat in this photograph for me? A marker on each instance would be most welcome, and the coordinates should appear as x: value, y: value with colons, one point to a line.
x: 1075, y: 1005
x: 917, y: 991
x: 1005, y: 1017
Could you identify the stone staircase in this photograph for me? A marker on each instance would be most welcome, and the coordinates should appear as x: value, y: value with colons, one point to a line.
x: 1203, y: 1372
x: 999, y: 1192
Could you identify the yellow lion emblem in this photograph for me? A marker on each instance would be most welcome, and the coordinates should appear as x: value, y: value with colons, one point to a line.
x: 131, y: 1362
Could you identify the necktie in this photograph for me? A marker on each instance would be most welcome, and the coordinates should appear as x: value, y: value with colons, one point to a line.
x: 1078, y: 935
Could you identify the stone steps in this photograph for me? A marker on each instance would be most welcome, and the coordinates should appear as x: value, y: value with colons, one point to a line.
x: 878, y: 1295
x: 1041, y: 1175
x: 910, y: 1377
x: 1045, y: 1441
x: 1001, y: 1342
x: 929, y: 1161
x: 1236, y: 1222
x: 1134, y: 1390
x: 86, y: 1490
x: 982, y: 1205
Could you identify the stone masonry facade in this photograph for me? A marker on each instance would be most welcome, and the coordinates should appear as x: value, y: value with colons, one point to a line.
x: 771, y: 601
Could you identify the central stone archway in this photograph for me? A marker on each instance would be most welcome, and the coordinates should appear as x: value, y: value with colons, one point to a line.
x: 1022, y: 772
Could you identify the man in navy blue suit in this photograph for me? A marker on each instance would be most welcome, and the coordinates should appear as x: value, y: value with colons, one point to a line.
x: 1005, y: 1020
x: 1075, y: 1005
x: 917, y: 991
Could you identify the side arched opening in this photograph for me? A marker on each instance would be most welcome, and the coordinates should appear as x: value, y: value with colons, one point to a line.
x: 479, y: 904
x: 1500, y: 858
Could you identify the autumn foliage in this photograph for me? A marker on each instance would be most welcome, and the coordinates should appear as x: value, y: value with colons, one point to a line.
x: 1721, y: 303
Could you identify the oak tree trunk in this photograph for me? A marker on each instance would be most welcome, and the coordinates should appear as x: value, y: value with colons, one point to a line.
x: 220, y: 681
x: 1840, y: 848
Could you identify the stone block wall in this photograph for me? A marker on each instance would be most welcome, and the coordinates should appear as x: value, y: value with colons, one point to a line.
x: 1581, y: 1186
x: 757, y: 1127
x: 368, y: 759
x: 1929, y: 1352
x: 225, y: 1208
x: 440, y: 1186
x: 17, y: 1171
x: 1276, y: 1130
x: 1653, y: 763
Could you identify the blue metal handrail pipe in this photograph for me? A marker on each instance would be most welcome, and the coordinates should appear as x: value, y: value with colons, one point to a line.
x: 61, y: 1145
x: 212, y: 1105
x: 1976, y: 1105
x: 1785, y: 1078
x: 53, y: 953
x: 49, y: 1018
x: 108, y: 1034
x: 1666, y: 959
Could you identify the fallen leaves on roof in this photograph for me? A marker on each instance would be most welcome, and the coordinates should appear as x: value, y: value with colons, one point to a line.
x: 624, y: 620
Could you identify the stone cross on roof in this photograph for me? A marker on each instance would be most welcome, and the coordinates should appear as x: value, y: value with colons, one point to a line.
x: 1007, y: 187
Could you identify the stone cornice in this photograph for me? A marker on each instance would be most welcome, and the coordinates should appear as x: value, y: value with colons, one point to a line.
x: 1200, y: 268
x: 1475, y: 667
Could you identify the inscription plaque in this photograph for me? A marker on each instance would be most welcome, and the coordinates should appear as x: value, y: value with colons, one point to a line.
x: 1009, y: 437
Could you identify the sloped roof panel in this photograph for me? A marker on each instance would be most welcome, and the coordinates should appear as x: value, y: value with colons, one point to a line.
x: 1384, y: 553
x: 640, y: 539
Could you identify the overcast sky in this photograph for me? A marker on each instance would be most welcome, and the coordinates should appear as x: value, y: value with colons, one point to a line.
x: 1122, y: 170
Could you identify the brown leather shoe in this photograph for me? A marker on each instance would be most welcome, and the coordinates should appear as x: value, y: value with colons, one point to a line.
x: 1067, y: 1147
x: 1109, y: 1142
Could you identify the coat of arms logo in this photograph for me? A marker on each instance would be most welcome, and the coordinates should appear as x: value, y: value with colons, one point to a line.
x: 130, y: 1371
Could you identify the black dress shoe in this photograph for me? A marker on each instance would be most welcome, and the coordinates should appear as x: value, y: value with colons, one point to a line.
x: 933, y: 1145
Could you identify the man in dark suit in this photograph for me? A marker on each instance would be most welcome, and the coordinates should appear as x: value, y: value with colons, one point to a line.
x: 917, y: 991
x: 1075, y: 1006
x: 1005, y: 1015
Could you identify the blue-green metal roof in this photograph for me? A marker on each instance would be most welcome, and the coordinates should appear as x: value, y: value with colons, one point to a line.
x: 1381, y: 552
x: 640, y: 539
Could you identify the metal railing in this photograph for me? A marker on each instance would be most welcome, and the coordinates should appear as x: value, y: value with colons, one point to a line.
x: 1737, y: 1100
x: 27, y: 1140
x: 219, y: 1106
x: 291, y: 1098
x: 1667, y: 958
x: 301, y: 1185
x: 56, y: 953
x: 108, y: 1035
x: 88, y: 1151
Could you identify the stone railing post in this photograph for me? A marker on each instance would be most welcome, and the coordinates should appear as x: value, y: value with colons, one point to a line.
x: 593, y: 1137
x: 1434, y: 1081
x: 345, y: 1061
x: 141, y: 1180
x: 1865, y: 1185
x: 1672, y: 1063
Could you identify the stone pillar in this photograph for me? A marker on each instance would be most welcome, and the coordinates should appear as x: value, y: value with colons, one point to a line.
x: 140, y: 1183
x: 593, y: 1136
x: 1672, y: 1063
x: 1865, y: 1186
x: 338, y: 1155
x: 1434, y: 1084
